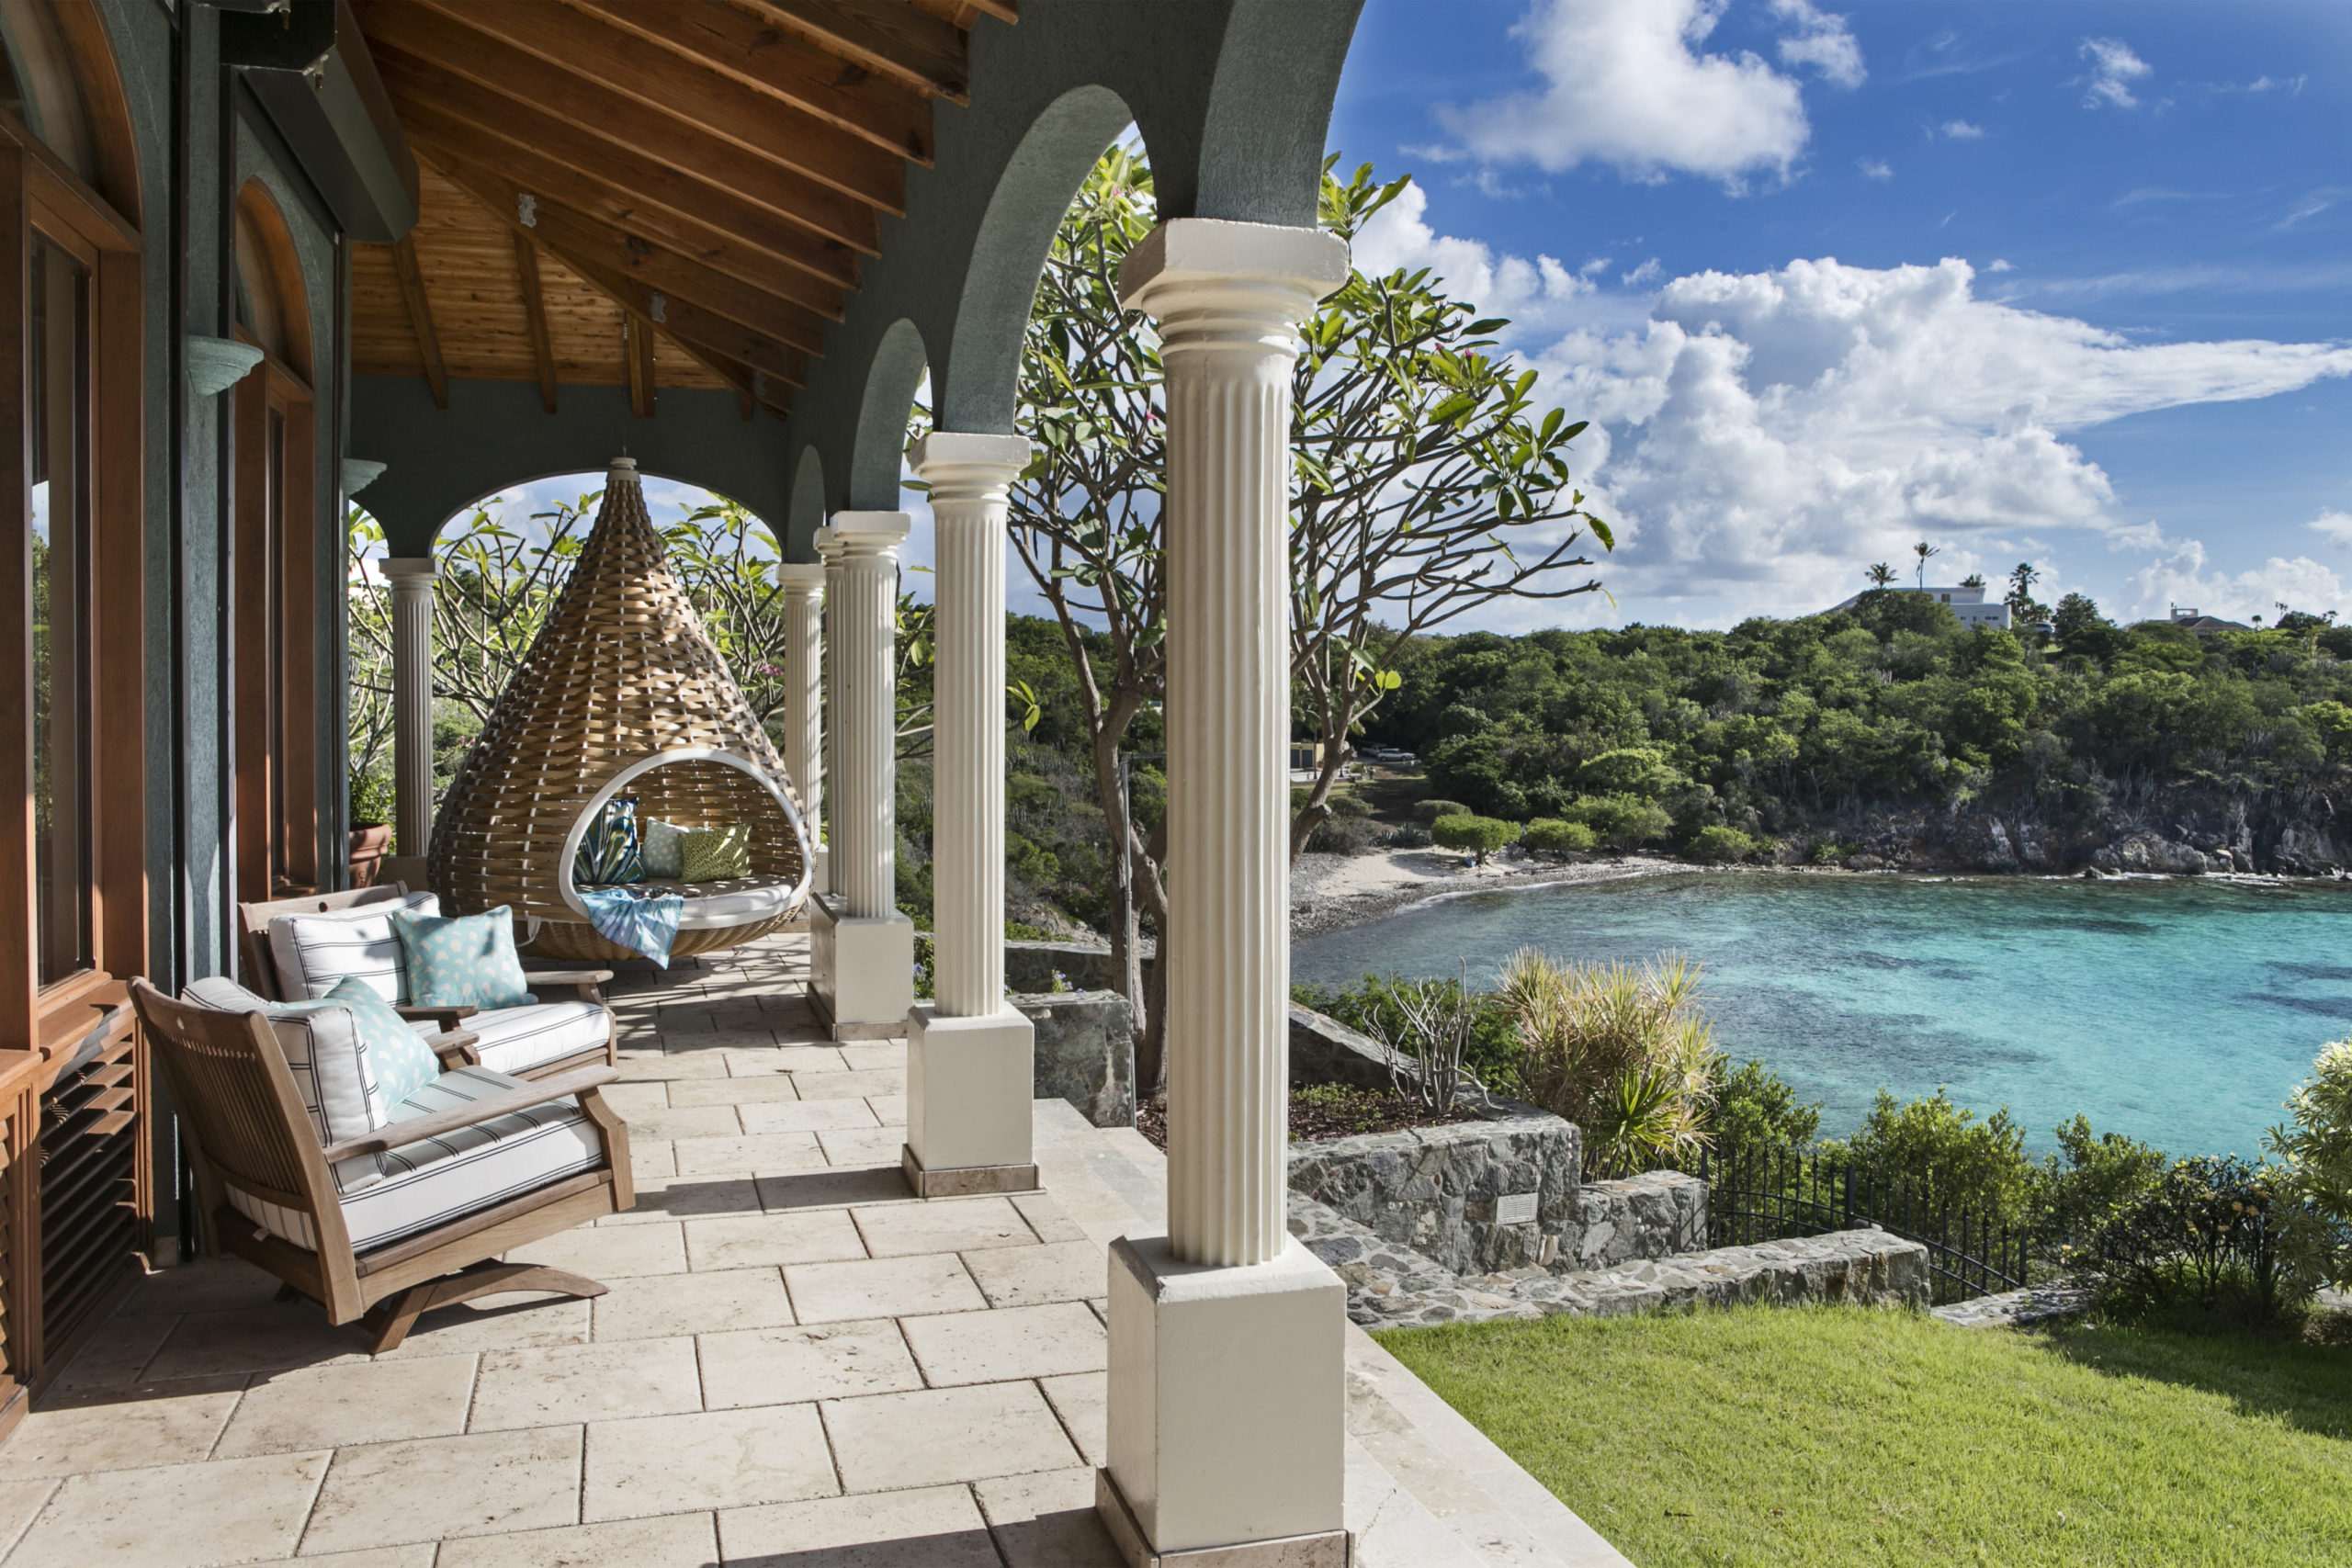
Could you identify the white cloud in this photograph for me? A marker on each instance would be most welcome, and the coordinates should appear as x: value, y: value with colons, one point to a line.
x: 1529, y: 292
x: 1874, y: 168
x: 1758, y: 438
x: 2181, y: 579
x: 1820, y: 42
x: 2113, y: 70
x: 1629, y: 89
x: 1960, y: 130
x: 2336, y: 527
x: 2000, y: 265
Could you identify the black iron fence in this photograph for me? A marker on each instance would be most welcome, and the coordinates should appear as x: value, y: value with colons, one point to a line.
x: 1776, y: 1192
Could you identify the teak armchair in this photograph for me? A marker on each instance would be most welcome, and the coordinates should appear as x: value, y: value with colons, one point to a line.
x: 467, y: 1034
x: 251, y: 1135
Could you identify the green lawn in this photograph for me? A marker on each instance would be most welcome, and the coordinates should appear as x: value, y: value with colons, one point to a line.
x: 1844, y: 1436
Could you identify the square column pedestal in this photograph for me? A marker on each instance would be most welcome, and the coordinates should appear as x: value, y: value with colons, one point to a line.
x: 1228, y: 1413
x: 861, y: 970
x: 970, y: 1081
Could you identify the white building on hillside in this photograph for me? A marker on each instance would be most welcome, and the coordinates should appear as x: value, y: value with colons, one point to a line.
x: 1966, y: 602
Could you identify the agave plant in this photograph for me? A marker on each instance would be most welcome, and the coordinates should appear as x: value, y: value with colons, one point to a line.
x: 1623, y: 1052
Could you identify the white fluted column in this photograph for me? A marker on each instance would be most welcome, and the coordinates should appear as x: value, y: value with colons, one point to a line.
x: 861, y: 947
x: 803, y: 584
x: 970, y: 1058
x: 412, y: 578
x: 829, y: 554
x: 1227, y: 1393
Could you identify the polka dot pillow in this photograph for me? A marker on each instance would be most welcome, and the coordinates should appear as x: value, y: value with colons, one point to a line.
x: 468, y: 962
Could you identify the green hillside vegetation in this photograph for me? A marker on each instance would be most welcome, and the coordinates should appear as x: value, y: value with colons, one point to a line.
x: 1653, y: 735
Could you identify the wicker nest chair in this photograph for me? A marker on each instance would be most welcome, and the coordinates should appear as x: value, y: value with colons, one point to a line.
x: 623, y: 693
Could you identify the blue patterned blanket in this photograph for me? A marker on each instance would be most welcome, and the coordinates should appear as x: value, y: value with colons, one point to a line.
x: 643, y: 920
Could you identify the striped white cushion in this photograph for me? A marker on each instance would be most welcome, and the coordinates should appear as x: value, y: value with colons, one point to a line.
x: 328, y: 1058
x: 314, y: 952
x: 515, y: 1040
x: 443, y: 1179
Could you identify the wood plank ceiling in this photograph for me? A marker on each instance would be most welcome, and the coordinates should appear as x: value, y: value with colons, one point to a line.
x: 644, y: 193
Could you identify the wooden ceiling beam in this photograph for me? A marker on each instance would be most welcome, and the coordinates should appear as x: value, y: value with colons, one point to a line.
x: 582, y: 68
x: 420, y: 317
x: 722, y: 38
x: 535, y: 312
x: 573, y: 120
x: 597, y: 252
x: 637, y: 357
x: 522, y: 171
x: 692, y: 216
x: 894, y: 40
x: 753, y: 389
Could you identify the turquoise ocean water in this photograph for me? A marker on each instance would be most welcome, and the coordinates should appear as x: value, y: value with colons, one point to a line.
x: 2177, y: 1011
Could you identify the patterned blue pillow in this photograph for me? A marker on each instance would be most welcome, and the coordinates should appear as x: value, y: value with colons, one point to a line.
x: 398, y: 1058
x: 608, y: 854
x: 665, y: 850
x: 468, y: 962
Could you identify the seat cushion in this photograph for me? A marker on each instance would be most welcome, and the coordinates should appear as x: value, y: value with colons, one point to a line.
x: 313, y: 954
x: 467, y: 961
x: 459, y: 1173
x: 516, y: 1039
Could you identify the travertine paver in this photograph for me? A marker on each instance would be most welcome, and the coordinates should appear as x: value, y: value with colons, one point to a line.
x: 325, y: 1408
x: 783, y: 1322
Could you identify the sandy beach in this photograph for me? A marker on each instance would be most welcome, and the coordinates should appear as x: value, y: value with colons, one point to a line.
x: 1328, y: 892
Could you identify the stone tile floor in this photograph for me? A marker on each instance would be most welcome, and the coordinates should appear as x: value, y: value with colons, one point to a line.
x: 797, y: 1365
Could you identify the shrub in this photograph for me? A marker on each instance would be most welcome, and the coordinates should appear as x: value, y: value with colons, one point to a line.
x: 1492, y: 1056
x: 1480, y: 835
x: 1826, y: 852
x: 371, y: 799
x: 1946, y: 1156
x: 1718, y: 845
x: 1752, y: 1108
x: 1620, y: 821
x: 1551, y: 837
x: 2090, y: 1179
x: 1407, y: 836
x: 1348, y: 805
x: 1625, y: 1053
x: 1431, y: 810
x: 2215, y: 1234
x: 1631, y: 770
x: 1343, y: 836
x: 2315, y: 1156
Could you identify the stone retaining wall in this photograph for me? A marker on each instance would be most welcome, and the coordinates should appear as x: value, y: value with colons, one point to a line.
x: 1086, y: 1052
x: 1391, y: 1286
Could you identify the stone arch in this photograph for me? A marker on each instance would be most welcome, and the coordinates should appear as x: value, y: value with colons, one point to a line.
x: 808, y: 507
x: 879, y: 445
x: 1039, y: 182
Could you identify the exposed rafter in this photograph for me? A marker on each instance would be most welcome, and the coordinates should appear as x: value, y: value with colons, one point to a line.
x: 420, y: 318
x: 535, y: 317
x: 900, y: 43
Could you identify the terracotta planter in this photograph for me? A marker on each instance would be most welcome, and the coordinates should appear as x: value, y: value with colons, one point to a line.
x: 368, y: 846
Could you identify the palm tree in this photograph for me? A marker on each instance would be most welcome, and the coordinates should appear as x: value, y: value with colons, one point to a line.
x: 1880, y: 575
x: 1923, y: 550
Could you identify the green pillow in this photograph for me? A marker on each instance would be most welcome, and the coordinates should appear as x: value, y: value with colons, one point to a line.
x: 398, y: 1058
x: 714, y: 854
x: 467, y: 962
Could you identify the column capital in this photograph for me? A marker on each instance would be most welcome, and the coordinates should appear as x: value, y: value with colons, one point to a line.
x: 958, y: 467
x: 797, y: 578
x: 1189, y: 263
x: 857, y: 533
x: 827, y: 545
x: 412, y: 569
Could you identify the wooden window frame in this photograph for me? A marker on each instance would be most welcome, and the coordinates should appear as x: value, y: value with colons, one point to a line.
x: 274, y: 612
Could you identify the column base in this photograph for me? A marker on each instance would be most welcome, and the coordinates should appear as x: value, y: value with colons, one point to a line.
x: 965, y: 1180
x: 970, y: 1083
x: 1331, y: 1549
x: 1227, y: 1411
x: 861, y: 970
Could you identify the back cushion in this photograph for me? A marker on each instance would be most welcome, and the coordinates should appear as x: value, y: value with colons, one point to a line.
x: 314, y: 953
x: 328, y: 1059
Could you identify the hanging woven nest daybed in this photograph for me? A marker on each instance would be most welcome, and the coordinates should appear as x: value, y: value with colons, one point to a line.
x: 622, y: 694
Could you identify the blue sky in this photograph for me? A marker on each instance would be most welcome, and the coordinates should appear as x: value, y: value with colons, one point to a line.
x: 2065, y: 282
x: 2090, y: 305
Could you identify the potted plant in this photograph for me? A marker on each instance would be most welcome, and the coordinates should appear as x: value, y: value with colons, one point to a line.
x: 371, y: 833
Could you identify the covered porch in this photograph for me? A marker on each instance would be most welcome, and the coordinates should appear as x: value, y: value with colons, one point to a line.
x: 797, y: 1363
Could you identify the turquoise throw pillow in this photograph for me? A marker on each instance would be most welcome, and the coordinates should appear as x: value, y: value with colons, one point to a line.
x: 468, y: 962
x: 398, y: 1058
x: 609, y: 855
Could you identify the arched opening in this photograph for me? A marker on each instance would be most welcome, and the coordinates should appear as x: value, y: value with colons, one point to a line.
x: 898, y: 366
x: 272, y: 306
